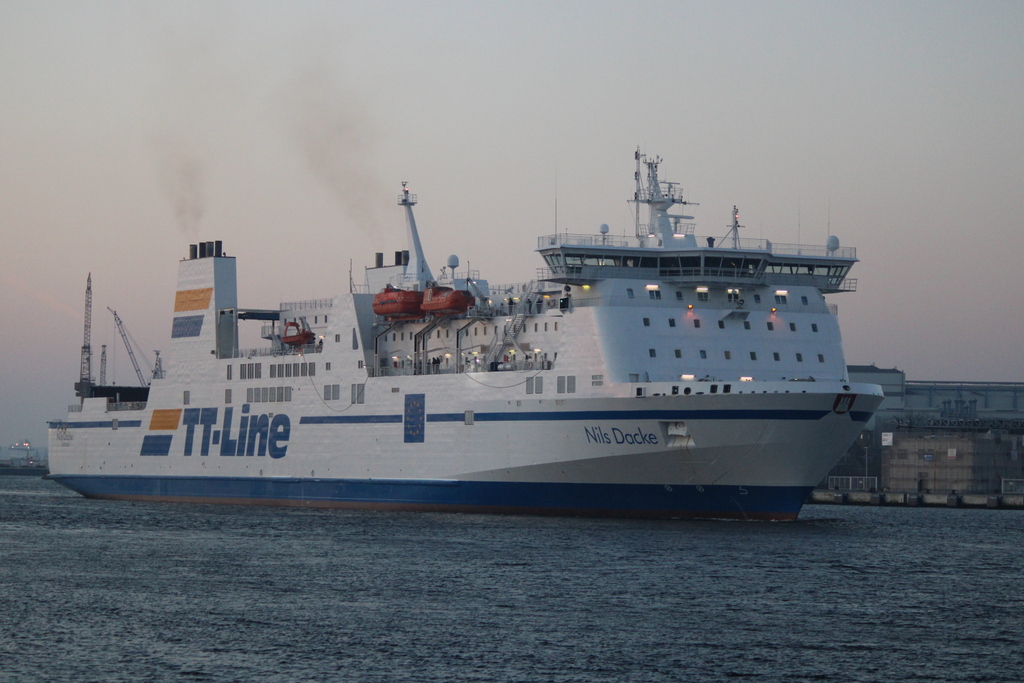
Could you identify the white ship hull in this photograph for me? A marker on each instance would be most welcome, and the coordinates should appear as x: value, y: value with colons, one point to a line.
x: 658, y: 380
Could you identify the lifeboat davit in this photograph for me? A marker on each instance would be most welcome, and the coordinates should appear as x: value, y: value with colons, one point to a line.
x: 299, y: 337
x: 398, y: 304
x: 447, y: 301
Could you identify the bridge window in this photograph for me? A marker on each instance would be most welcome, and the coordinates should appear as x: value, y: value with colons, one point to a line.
x: 728, y: 355
x: 803, y: 300
x: 776, y: 356
x: 696, y: 322
x: 652, y: 353
x: 679, y: 353
x: 753, y: 355
x: 629, y: 292
x: 771, y: 326
x: 746, y: 324
x: 821, y: 358
x: 671, y: 322
x: 721, y: 324
x: 792, y: 327
x: 703, y: 353
x: 647, y: 322
x: 799, y: 358
x: 814, y: 327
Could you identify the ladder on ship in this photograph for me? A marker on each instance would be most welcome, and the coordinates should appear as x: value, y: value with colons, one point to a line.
x: 512, y: 328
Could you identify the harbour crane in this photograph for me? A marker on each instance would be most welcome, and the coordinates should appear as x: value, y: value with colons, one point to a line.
x: 127, y: 345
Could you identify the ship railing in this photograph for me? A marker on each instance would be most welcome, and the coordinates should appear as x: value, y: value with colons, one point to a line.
x: 833, y: 309
x: 282, y: 351
x: 471, y: 365
x: 744, y: 243
x: 546, y: 241
x: 126, y: 405
x: 75, y: 408
x: 848, y: 285
x: 308, y: 305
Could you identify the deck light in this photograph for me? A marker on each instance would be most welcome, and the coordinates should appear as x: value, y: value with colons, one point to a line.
x: 746, y: 379
x: 774, y: 309
x: 689, y: 306
x: 687, y: 378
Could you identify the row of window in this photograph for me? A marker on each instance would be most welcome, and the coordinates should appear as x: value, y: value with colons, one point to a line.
x: 332, y: 392
x: 268, y: 394
x: 653, y: 353
x: 721, y: 324
x: 704, y: 296
x: 277, y: 370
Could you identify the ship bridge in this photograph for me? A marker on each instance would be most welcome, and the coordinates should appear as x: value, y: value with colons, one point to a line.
x: 583, y: 259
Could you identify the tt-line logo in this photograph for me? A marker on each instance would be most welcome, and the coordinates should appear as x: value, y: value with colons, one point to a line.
x: 255, y: 435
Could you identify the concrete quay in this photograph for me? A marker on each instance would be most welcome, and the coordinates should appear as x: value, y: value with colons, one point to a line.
x: 1002, y: 501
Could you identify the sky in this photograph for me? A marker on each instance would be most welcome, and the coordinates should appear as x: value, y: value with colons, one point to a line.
x: 129, y: 130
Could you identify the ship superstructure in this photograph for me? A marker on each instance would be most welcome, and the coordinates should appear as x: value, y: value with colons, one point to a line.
x: 663, y: 375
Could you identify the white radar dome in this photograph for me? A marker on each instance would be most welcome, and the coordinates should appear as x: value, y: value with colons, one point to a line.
x: 604, y: 228
x: 833, y: 243
x: 453, y: 261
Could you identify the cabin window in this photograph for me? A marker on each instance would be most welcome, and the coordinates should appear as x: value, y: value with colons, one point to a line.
x: 185, y: 397
x: 556, y: 327
x: 596, y: 380
x: 358, y: 393
x: 728, y: 355
x: 273, y: 372
x: 726, y: 388
x: 536, y: 327
x: 679, y: 353
x: 814, y: 327
x: 560, y: 388
x: 803, y: 300
x: 821, y: 358
x: 771, y: 326
x: 714, y: 388
x: 776, y: 356
x: 259, y: 370
x: 753, y: 355
x: 757, y: 298
x: 654, y: 293
x: 792, y: 327
x: 679, y: 295
x: 248, y: 395
x: 312, y: 369
x: 746, y: 324
x: 780, y: 298
x: 570, y: 384
x: 355, y: 339
x: 538, y: 385
x: 703, y: 353
x: 671, y: 323
x: 227, y: 396
x: 529, y: 384
x: 721, y: 324
x: 696, y: 322
x: 629, y: 292
x: 652, y: 353
x: 327, y: 365
x: 647, y: 322
x: 545, y: 327
x: 229, y: 372
x: 799, y: 358
x: 703, y: 296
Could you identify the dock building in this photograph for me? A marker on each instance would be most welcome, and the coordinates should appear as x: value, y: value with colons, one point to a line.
x: 936, y: 437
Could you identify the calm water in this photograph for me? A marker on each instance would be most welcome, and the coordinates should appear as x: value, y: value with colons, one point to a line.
x: 112, y: 591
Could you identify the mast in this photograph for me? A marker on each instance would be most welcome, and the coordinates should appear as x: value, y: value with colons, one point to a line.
x: 659, y: 196
x: 417, y: 269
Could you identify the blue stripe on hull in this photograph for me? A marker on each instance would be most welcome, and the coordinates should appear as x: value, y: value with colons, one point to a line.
x: 605, y: 500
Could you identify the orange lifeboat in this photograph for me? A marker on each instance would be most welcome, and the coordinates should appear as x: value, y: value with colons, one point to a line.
x: 299, y: 337
x: 398, y: 304
x: 447, y: 301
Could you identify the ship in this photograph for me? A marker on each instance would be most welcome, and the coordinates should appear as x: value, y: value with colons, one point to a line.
x: 659, y: 374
